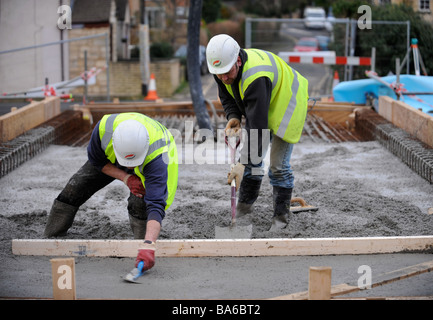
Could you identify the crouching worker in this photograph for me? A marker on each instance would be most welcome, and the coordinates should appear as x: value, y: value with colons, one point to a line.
x: 137, y: 150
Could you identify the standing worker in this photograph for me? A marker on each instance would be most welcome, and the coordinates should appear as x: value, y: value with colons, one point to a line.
x: 137, y: 150
x: 273, y: 98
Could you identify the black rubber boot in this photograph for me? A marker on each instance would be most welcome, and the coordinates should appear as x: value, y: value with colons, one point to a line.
x: 60, y: 219
x: 248, y: 193
x: 137, y: 216
x: 281, y: 199
x: 138, y: 227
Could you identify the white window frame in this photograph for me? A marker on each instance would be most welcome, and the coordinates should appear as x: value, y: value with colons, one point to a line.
x: 424, y: 5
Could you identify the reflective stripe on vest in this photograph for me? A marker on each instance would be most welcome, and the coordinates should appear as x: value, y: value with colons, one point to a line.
x: 290, y: 107
x: 106, y: 138
x: 282, y: 109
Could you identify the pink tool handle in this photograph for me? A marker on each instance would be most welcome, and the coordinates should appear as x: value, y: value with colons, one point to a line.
x: 233, y: 200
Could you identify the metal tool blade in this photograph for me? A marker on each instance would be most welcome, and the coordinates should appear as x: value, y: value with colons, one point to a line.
x: 135, y: 273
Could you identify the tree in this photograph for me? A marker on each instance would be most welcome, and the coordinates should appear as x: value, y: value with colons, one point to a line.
x: 419, y: 29
x: 211, y: 10
x: 389, y: 40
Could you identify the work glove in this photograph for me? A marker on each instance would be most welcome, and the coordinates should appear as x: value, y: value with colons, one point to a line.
x: 233, y: 127
x: 146, y: 253
x: 236, y: 173
x: 135, y: 186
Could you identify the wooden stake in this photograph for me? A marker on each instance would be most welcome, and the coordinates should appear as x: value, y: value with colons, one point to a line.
x: 319, y: 287
x: 63, y: 271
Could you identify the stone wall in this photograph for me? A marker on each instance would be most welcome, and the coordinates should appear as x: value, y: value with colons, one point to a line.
x: 168, y: 76
x: 125, y: 79
x: 125, y: 76
x: 96, y: 57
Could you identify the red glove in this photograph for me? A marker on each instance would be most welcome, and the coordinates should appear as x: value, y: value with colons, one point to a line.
x: 146, y: 253
x: 135, y: 186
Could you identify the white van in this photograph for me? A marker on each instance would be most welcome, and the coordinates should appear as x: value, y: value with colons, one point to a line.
x: 314, y: 18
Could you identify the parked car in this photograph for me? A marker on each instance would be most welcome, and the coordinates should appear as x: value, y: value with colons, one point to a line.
x: 307, y: 45
x: 314, y: 18
x: 182, y: 54
x: 323, y: 42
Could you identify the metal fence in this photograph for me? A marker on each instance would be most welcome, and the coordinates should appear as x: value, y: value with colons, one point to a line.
x: 28, y: 67
x: 279, y: 35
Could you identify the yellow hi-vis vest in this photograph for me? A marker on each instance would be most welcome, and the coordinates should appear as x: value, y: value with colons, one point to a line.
x: 289, y: 99
x: 161, y: 141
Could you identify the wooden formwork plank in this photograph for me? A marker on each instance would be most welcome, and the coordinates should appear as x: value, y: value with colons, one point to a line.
x: 221, y: 248
x: 389, y: 277
x: 19, y: 121
x: 411, y: 120
x: 63, y: 274
x: 336, y: 290
x: 153, y: 109
x: 160, y: 107
x: 15, y: 123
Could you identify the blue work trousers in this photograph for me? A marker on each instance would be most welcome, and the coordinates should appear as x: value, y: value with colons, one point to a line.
x: 280, y: 172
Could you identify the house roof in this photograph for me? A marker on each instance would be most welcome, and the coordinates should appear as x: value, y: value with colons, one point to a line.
x: 97, y: 11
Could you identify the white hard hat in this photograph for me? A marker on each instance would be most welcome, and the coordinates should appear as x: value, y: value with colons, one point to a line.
x: 221, y: 53
x: 130, y: 143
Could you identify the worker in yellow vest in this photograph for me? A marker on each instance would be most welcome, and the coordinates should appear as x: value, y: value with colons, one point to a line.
x: 273, y: 98
x: 137, y: 150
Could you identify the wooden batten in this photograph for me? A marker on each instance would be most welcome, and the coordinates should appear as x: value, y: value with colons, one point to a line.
x: 224, y: 248
x: 17, y: 122
x: 334, y: 112
x: 402, y: 115
x: 325, y: 291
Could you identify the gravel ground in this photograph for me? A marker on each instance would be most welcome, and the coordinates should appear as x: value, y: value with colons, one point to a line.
x: 360, y: 188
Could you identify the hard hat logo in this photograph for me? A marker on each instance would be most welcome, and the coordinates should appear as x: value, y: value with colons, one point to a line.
x: 130, y: 156
x: 216, y: 63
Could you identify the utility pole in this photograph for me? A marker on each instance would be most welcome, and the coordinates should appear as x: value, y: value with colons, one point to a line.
x: 144, y: 49
x: 193, y: 65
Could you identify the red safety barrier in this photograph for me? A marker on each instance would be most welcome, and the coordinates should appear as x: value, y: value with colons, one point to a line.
x: 354, y: 61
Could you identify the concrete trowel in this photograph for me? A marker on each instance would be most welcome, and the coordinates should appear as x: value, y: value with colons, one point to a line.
x: 233, y: 231
x: 135, y: 273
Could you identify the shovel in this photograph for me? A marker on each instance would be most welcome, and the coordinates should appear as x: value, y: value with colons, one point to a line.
x: 135, y: 273
x: 234, y: 231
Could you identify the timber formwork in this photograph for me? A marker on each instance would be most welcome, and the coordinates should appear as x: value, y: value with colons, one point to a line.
x: 326, y: 122
x: 67, y: 128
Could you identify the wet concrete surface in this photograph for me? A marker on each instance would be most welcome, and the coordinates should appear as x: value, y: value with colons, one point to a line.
x: 360, y: 188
